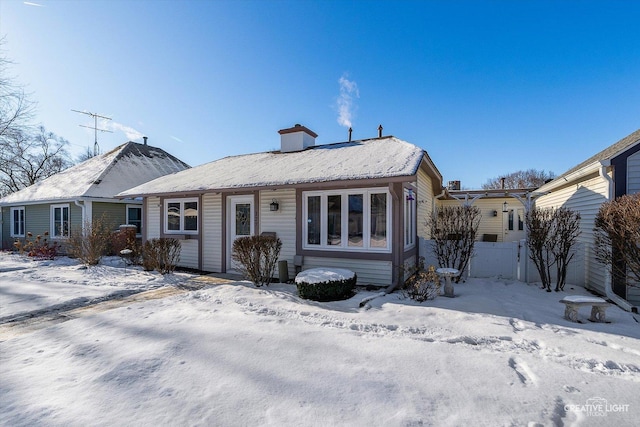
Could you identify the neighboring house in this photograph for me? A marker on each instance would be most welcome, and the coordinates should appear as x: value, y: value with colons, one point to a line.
x: 84, y: 192
x: 502, y: 211
x: 611, y: 173
x: 355, y: 204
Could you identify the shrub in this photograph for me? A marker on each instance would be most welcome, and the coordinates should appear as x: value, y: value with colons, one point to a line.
x: 126, y: 239
x: 91, y: 242
x: 453, y: 230
x: 329, y: 290
x: 551, y: 234
x: 257, y: 257
x: 161, y: 255
x: 422, y: 285
x: 39, y: 248
x: 617, y: 238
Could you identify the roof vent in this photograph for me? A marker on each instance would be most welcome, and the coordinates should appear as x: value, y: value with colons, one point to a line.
x: 145, y: 140
x: 296, y: 138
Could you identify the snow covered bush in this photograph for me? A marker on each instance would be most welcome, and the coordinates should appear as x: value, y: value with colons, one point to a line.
x: 422, y: 285
x: 161, y: 255
x: 321, y: 284
x: 126, y: 239
x: 257, y: 257
x: 90, y: 242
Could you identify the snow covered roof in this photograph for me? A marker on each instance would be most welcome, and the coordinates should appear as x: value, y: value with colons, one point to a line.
x: 102, y: 176
x: 374, y: 158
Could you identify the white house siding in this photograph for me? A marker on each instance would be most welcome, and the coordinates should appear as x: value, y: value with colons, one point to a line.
x: 425, y: 203
x: 633, y: 173
x: 282, y: 222
x: 489, y: 224
x: 584, y: 197
x: 189, y: 253
x: 369, y: 272
x: 152, y: 225
x: 212, y: 232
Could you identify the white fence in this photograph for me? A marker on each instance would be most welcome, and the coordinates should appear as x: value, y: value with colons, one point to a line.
x: 509, y: 260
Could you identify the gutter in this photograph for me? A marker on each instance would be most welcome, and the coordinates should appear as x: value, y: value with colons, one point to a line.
x: 620, y: 302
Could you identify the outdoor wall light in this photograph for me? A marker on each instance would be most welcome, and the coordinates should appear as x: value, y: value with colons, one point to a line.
x: 505, y: 207
x: 274, y: 206
x: 410, y: 195
x: 494, y: 213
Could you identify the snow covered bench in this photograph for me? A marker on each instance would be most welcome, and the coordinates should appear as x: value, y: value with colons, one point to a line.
x: 574, y: 302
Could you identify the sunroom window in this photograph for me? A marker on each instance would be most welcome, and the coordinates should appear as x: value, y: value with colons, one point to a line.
x: 181, y: 216
x: 352, y: 220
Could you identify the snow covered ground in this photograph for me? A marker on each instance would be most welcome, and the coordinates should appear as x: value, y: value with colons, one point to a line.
x: 499, y: 353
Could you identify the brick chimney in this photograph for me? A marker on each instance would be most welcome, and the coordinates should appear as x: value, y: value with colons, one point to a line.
x: 296, y: 138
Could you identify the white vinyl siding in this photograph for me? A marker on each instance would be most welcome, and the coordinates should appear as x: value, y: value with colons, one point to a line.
x: 424, y: 205
x: 189, y: 253
x: 282, y: 222
x: 152, y: 228
x: 585, y: 198
x: 633, y: 173
x: 212, y: 232
x: 369, y: 272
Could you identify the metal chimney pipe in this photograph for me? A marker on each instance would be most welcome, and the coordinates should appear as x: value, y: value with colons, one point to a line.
x: 145, y: 140
x: 350, y: 130
x: 380, y: 131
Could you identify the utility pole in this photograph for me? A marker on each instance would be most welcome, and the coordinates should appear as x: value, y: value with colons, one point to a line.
x: 96, y: 148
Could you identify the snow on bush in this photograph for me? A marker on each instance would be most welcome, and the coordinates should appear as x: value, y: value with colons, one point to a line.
x: 324, y: 284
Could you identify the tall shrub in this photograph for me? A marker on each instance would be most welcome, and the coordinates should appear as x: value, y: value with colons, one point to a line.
x: 90, y: 242
x: 161, y: 255
x: 257, y: 257
x: 617, y: 237
x: 551, y: 235
x: 454, y: 230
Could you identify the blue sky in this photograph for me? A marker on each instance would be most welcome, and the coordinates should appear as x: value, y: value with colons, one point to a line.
x: 485, y: 87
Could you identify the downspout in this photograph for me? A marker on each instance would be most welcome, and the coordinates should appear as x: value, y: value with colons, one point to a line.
x: 620, y: 302
x: 84, y: 215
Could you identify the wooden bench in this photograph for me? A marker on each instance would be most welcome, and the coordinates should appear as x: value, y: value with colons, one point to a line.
x: 574, y: 302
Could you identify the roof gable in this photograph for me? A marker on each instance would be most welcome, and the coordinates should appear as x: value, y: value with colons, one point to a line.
x: 367, y: 159
x: 101, y: 176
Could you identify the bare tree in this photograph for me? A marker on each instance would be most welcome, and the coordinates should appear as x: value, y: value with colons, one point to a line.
x: 16, y: 110
x: 454, y: 229
x: 28, y: 158
x: 617, y: 237
x: 531, y: 178
x: 566, y: 231
x: 551, y: 236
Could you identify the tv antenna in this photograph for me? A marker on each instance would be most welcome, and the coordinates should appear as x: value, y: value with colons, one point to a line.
x: 96, y: 147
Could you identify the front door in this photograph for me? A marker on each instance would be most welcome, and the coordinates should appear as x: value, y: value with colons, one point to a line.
x: 514, y: 229
x: 240, y: 223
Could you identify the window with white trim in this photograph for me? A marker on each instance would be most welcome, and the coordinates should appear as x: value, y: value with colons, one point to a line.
x: 134, y: 217
x: 351, y: 220
x: 60, y: 221
x: 17, y: 221
x: 409, y: 219
x: 181, y: 216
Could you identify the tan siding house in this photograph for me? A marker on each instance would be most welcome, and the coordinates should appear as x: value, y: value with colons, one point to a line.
x: 355, y: 204
x: 611, y: 173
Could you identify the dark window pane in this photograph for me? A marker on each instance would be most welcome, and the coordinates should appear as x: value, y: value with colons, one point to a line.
x: 191, y: 216
x: 355, y: 219
x: 243, y: 219
x: 173, y: 216
x: 313, y: 220
x: 379, y: 220
x: 334, y: 220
